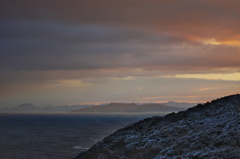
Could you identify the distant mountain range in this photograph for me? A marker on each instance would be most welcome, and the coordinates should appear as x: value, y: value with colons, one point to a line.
x: 30, y: 108
x: 129, y: 108
x: 180, y: 104
x: 103, y: 108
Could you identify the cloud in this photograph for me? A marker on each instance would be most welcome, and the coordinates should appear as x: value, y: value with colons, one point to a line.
x: 61, y: 35
x: 207, y: 18
x: 219, y: 76
x: 46, y: 43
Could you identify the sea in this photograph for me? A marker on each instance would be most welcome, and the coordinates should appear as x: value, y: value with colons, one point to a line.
x: 56, y: 136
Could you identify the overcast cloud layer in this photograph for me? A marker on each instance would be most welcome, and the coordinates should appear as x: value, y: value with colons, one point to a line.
x: 90, y: 51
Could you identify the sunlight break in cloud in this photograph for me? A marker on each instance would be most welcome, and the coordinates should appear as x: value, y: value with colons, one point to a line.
x: 219, y: 76
x: 225, y: 42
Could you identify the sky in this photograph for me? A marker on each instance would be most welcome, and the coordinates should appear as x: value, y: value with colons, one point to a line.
x: 58, y: 52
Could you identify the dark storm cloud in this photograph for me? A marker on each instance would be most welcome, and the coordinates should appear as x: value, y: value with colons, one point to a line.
x: 58, y: 34
x: 44, y: 35
x: 199, y: 18
x: 31, y: 45
x: 35, y: 45
x: 43, y: 42
x: 76, y: 34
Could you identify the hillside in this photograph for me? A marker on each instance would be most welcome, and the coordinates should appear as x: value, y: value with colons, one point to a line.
x: 129, y: 108
x: 210, y: 130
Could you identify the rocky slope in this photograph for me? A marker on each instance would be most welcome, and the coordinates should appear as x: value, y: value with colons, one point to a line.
x: 211, y: 130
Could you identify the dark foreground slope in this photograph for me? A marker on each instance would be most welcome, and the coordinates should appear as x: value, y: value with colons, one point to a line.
x: 211, y: 130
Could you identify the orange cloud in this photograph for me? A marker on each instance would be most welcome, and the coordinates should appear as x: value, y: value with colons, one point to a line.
x: 105, y: 43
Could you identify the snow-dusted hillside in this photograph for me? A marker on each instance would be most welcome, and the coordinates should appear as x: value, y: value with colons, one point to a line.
x: 211, y: 130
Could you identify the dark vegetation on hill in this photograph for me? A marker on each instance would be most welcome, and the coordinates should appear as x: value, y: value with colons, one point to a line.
x: 210, y: 130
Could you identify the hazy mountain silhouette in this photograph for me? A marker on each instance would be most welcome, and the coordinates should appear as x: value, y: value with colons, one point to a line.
x: 30, y: 108
x: 129, y: 108
x: 180, y: 104
x: 103, y: 108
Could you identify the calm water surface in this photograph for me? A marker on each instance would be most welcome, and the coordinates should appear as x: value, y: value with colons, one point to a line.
x: 55, y: 136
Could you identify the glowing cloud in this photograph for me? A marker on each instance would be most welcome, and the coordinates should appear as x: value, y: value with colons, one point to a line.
x: 211, y: 41
x: 225, y: 42
x: 210, y: 76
